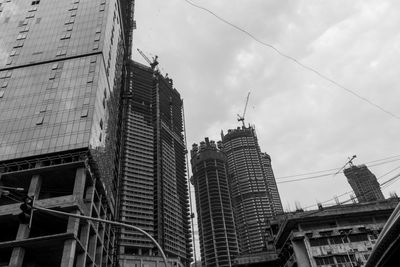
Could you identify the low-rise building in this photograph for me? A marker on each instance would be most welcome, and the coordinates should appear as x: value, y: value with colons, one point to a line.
x: 342, y: 235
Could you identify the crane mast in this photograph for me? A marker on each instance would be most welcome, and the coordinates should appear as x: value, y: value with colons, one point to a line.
x: 153, y: 63
x: 349, y: 162
x: 241, y: 118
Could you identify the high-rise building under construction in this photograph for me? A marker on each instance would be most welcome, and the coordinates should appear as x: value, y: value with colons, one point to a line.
x: 253, y: 188
x: 218, y: 241
x: 61, y: 72
x: 364, y: 183
x: 154, y: 189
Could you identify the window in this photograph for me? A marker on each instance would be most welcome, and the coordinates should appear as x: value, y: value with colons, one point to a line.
x: 25, y: 29
x: 90, y: 79
x: 92, y: 68
x: 40, y: 120
x: 1, y: 94
x: 66, y: 35
x: 358, y: 238
x: 318, y: 242
x: 19, y: 43
x: 74, y: 7
x: 324, y: 261
x: 21, y: 36
x: 36, y: 2
x: 4, y: 84
x: 38, y: 20
x: 84, y: 113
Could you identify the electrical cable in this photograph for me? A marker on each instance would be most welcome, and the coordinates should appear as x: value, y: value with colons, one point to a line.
x: 382, y: 185
x: 345, y: 201
x: 318, y: 73
x: 13, y: 199
x: 315, y: 172
x: 322, y: 175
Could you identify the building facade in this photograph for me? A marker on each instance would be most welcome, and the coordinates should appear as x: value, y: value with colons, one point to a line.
x: 154, y: 189
x: 342, y: 235
x: 364, y: 183
x: 254, y: 193
x: 61, y: 67
x: 218, y: 241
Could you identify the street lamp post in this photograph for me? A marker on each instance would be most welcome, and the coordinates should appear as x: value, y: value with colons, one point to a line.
x: 105, y: 221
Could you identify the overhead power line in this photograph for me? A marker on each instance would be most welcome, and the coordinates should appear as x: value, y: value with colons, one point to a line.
x: 328, y: 170
x: 385, y: 184
x: 296, y: 61
x: 322, y: 175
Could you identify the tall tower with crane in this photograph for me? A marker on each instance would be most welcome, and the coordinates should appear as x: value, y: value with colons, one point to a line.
x: 254, y: 192
x: 154, y: 185
x: 362, y: 181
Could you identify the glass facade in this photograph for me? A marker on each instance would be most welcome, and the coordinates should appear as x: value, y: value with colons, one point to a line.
x: 60, y: 76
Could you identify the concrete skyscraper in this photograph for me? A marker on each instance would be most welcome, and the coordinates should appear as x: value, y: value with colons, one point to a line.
x: 254, y: 193
x: 154, y: 189
x: 364, y: 183
x: 218, y: 241
x: 61, y: 67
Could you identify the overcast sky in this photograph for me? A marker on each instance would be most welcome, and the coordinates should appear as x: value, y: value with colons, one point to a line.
x: 304, y: 122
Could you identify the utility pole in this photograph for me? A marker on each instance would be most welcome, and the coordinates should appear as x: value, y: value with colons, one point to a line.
x: 104, y: 221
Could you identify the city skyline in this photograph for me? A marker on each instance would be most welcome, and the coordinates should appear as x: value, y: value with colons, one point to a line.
x: 305, y: 123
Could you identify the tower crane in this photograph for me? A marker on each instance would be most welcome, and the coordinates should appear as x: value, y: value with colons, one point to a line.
x: 241, y: 118
x: 153, y: 63
x: 349, y: 162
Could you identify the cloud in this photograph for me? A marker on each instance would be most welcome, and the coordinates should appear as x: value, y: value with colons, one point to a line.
x: 304, y: 122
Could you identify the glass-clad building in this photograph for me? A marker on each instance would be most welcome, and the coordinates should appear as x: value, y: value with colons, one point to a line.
x: 61, y: 67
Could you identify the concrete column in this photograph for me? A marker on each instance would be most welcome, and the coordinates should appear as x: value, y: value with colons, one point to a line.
x: 80, y: 180
x: 84, y: 238
x: 18, y: 253
x: 70, y: 245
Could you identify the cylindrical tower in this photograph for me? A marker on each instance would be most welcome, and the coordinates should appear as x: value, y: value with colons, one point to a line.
x: 218, y: 242
x: 254, y: 193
